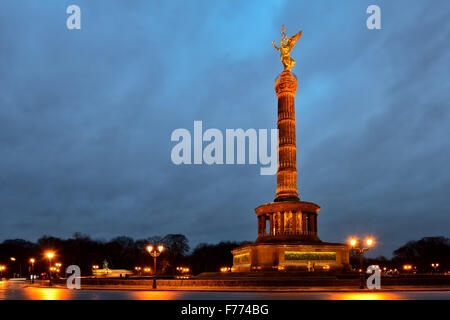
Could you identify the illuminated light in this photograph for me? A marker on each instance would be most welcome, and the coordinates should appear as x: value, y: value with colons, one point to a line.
x: 50, y: 254
x: 149, y: 248
x: 369, y: 242
x: 32, y: 260
x: 160, y: 248
x: 13, y: 259
x: 407, y: 267
x: 353, y: 242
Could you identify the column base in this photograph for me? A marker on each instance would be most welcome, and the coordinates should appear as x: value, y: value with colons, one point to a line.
x: 306, y: 231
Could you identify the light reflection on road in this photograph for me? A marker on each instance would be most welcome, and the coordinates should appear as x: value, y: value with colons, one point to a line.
x: 22, y: 291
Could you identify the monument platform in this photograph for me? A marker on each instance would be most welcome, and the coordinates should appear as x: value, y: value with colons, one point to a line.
x: 280, y: 255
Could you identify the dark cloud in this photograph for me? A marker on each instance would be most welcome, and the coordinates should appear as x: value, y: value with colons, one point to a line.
x: 86, y: 117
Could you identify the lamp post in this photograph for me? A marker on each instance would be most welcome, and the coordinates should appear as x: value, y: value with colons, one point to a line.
x: 155, y: 252
x: 50, y: 255
x: 13, y: 260
x: 435, y: 266
x: 32, y: 261
x: 358, y: 247
x: 58, y: 268
x: 2, y: 268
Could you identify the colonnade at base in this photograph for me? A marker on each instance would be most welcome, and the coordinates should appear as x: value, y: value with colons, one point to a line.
x: 287, y: 223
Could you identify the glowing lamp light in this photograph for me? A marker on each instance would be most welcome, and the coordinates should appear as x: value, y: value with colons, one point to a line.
x: 353, y: 242
x: 149, y: 248
x: 369, y: 242
x: 32, y: 260
x: 160, y: 248
x: 50, y: 254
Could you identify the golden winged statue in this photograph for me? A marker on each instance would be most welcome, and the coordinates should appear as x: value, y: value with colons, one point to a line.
x: 286, y: 46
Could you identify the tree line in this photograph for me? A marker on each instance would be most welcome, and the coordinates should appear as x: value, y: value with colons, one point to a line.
x: 119, y: 253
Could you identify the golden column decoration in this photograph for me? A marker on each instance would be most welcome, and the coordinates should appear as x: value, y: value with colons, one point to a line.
x: 286, y: 87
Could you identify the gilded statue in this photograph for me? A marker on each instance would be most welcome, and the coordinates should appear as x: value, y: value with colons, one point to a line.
x: 286, y: 46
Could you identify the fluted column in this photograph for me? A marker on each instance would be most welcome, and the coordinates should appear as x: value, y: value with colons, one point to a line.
x: 285, y: 87
x: 271, y: 231
x: 304, y: 229
x: 294, y: 222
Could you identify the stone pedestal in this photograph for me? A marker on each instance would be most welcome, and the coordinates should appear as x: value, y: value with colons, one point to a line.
x: 291, y: 256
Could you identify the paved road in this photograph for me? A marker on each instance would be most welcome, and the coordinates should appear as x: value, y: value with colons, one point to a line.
x: 21, y: 291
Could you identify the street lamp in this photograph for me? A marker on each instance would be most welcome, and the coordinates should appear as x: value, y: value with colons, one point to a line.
x: 358, y: 246
x: 435, y: 266
x: 32, y: 261
x: 2, y: 268
x: 13, y: 260
x: 50, y: 255
x: 138, y: 269
x: 155, y: 252
x: 58, y: 268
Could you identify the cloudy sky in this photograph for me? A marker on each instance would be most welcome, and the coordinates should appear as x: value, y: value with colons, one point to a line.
x: 86, y: 116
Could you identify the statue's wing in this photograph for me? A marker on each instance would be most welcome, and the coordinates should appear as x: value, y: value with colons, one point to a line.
x: 292, y: 40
